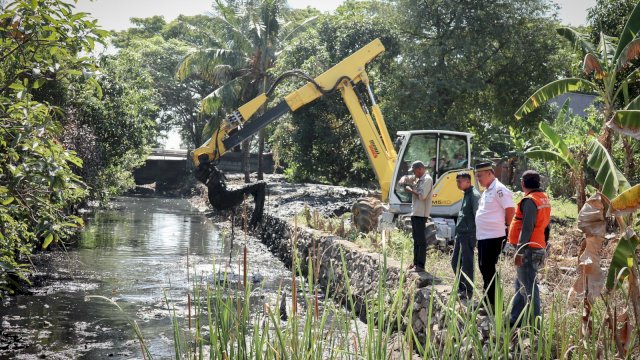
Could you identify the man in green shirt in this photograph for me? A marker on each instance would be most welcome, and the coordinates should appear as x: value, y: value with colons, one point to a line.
x: 465, y: 241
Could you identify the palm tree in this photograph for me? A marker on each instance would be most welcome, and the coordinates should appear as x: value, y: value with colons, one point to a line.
x: 249, y: 38
x: 610, y: 70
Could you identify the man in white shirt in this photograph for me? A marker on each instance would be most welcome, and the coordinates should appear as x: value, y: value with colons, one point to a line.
x: 419, y: 185
x: 495, y: 212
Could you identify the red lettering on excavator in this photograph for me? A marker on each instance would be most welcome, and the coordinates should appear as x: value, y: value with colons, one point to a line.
x: 373, y: 151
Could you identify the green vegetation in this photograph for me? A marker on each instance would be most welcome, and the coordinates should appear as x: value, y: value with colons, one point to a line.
x: 222, y: 324
x: 238, y: 58
x: 37, y: 181
x: 72, y: 127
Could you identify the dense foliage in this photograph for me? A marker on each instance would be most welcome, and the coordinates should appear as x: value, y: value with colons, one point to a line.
x: 40, y: 42
x: 72, y: 127
x: 320, y: 141
x: 444, y: 69
x: 160, y: 48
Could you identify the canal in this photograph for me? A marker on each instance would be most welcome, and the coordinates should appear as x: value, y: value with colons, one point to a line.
x: 136, y: 253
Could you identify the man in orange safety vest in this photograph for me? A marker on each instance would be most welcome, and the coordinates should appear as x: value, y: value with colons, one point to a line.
x: 528, y: 236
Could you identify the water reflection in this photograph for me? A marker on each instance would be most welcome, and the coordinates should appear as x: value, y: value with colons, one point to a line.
x: 135, y: 254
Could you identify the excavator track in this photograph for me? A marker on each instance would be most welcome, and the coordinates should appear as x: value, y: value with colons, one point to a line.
x: 365, y: 213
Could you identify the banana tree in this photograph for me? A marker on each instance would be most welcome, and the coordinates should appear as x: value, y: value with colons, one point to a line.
x: 561, y: 154
x: 591, y: 279
x: 608, y: 175
x: 609, y: 69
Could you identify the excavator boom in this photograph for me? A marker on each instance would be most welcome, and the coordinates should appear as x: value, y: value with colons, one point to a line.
x: 243, y: 122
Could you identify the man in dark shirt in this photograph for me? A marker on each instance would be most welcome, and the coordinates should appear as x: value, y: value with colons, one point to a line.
x: 465, y: 241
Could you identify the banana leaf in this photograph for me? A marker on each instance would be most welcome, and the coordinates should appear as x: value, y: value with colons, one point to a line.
x: 627, y: 202
x: 622, y: 259
x: 633, y: 104
x: 630, y: 30
x: 628, y: 54
x: 546, y: 155
x: 553, y: 89
x: 591, y: 64
x: 607, y: 174
x: 626, y: 122
x: 605, y: 47
x: 577, y: 38
x: 559, y: 144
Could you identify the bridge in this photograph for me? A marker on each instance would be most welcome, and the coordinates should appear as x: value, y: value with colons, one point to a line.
x: 169, y: 167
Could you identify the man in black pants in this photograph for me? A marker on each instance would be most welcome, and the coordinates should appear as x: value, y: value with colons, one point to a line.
x: 419, y: 185
x: 465, y: 241
x: 495, y: 212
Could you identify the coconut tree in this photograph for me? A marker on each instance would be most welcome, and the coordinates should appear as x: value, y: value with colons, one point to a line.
x: 610, y: 71
x: 248, y: 38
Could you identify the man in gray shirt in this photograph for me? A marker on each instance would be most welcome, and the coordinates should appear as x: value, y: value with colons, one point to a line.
x: 419, y: 186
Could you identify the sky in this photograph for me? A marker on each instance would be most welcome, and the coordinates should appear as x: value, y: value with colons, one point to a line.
x: 115, y: 14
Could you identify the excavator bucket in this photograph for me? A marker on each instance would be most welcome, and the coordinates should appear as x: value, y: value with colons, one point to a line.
x: 222, y: 198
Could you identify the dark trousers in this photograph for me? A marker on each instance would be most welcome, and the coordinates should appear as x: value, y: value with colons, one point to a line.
x: 463, y: 258
x: 488, y: 253
x: 418, y: 227
x: 526, y: 304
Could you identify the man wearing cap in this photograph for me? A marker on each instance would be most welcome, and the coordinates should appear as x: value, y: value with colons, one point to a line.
x: 495, y: 212
x: 528, y: 236
x: 465, y: 241
x: 419, y: 185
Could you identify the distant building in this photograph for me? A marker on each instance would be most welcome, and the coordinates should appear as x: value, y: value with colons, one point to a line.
x: 579, y: 103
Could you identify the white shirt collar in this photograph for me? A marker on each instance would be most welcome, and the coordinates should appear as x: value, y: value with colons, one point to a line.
x: 493, y: 184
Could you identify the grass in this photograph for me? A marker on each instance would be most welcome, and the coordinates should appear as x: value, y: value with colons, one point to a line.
x: 227, y: 329
x: 561, y: 208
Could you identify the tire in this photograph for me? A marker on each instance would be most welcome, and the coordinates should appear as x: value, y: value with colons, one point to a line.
x: 365, y: 213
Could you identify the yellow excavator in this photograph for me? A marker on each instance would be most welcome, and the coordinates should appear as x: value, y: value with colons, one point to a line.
x: 443, y: 152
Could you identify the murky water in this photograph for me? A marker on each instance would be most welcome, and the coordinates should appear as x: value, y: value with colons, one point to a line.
x: 134, y: 255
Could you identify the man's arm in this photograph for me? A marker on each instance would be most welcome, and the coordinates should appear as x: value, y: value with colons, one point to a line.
x: 508, y: 215
x: 426, y: 189
x: 475, y: 200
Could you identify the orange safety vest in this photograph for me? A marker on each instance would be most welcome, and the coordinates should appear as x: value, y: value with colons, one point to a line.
x: 543, y: 219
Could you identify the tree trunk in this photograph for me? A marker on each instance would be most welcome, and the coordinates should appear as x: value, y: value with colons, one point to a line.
x: 244, y: 166
x: 606, y: 138
x: 581, y: 196
x: 629, y: 161
x: 260, y: 153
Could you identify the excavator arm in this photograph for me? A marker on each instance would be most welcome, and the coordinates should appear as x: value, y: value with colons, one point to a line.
x: 343, y: 77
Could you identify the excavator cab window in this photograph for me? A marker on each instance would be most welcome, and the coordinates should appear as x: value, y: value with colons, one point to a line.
x: 453, y: 153
x: 440, y: 152
x: 421, y: 147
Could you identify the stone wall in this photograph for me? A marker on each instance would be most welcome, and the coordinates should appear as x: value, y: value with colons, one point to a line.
x: 363, y: 270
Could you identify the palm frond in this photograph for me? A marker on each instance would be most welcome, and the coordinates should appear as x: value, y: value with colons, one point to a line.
x: 299, y: 28
x: 227, y: 96
x: 204, y: 62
